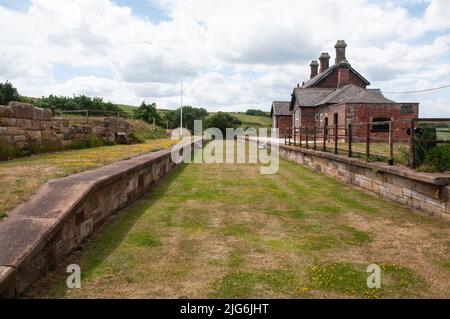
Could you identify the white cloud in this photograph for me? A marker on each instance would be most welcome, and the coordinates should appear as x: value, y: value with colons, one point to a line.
x: 234, y: 53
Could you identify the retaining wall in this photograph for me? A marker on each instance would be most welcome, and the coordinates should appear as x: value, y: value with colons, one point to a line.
x: 427, y: 192
x: 64, y: 212
x: 23, y: 126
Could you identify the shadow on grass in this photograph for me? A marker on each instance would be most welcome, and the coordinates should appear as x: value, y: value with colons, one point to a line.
x: 112, y: 234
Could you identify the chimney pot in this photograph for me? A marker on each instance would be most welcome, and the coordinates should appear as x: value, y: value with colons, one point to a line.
x: 340, y: 51
x: 314, y: 68
x: 324, y: 61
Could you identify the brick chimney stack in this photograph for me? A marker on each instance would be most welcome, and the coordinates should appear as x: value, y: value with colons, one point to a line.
x: 340, y: 51
x: 343, y: 73
x: 314, y: 68
x: 324, y: 61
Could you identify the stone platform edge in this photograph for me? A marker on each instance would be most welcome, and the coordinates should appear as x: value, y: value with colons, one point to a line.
x: 38, y: 234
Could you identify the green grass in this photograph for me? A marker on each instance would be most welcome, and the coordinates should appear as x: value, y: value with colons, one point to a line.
x: 225, y: 231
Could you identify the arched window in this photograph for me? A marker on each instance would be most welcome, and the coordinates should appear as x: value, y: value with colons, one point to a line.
x: 383, y: 125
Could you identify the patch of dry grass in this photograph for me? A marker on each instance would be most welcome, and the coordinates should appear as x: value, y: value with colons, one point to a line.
x: 20, y: 178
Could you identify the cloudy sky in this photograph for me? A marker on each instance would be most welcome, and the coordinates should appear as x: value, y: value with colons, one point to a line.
x: 235, y: 54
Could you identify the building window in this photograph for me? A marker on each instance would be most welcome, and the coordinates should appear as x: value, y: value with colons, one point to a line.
x: 383, y: 126
x: 297, y: 119
x: 317, y: 117
x: 406, y: 109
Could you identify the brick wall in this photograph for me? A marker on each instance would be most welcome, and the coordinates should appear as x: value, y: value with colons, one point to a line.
x: 22, y: 125
x: 365, y: 113
x: 283, y: 123
x: 331, y: 81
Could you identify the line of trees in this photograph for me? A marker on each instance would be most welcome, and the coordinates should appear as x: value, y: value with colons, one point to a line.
x: 146, y: 112
x: 9, y: 93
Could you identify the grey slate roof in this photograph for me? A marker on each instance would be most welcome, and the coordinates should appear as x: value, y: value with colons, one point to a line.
x: 312, y: 97
x: 309, y: 97
x: 354, y: 94
x: 324, y: 74
x: 280, y: 108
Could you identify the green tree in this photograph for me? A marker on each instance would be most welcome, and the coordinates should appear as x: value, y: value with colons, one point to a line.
x: 190, y: 114
x: 8, y: 93
x: 222, y: 121
x: 148, y: 113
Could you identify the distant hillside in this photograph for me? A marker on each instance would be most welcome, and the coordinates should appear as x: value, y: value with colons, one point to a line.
x: 252, y: 120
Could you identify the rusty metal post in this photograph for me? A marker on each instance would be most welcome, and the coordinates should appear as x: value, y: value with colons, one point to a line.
x: 315, y: 138
x: 412, y: 146
x: 336, y: 130
x: 391, y: 143
x: 307, y: 138
x: 300, y: 136
x: 295, y: 136
x: 368, y: 140
x: 350, y: 137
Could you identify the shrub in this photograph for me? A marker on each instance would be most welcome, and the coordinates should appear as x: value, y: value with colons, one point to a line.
x: 7, y: 152
x: 8, y: 93
x: 438, y: 159
x: 222, y: 121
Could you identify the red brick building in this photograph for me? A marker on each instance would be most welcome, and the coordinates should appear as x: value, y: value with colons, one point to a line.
x: 281, y: 116
x: 339, y: 95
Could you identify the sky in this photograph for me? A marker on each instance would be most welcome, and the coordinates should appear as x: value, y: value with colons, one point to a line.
x: 233, y: 54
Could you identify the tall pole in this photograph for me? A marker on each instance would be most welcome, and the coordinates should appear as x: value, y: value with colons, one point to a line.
x: 181, y: 105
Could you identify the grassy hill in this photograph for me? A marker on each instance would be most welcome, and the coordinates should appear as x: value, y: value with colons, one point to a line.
x: 253, y: 120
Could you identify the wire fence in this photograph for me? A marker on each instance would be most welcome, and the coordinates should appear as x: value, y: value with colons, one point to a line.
x: 92, y: 113
x: 394, y: 141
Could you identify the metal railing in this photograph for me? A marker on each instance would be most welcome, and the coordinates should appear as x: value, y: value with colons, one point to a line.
x: 395, y: 141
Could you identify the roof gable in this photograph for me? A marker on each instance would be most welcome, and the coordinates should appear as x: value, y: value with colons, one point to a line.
x: 321, y: 76
x: 280, y: 108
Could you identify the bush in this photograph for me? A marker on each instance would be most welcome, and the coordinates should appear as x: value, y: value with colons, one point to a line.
x: 8, y: 93
x: 148, y: 113
x: 438, y: 159
x: 222, y: 121
x: 7, y: 152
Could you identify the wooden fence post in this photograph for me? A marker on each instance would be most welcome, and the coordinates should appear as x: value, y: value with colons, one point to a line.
x: 412, y: 146
x: 350, y: 137
x: 391, y: 143
x: 324, y: 137
x: 295, y: 136
x: 368, y: 140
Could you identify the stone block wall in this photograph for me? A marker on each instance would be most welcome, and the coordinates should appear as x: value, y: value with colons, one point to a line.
x: 38, y: 234
x: 428, y: 192
x: 22, y: 125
